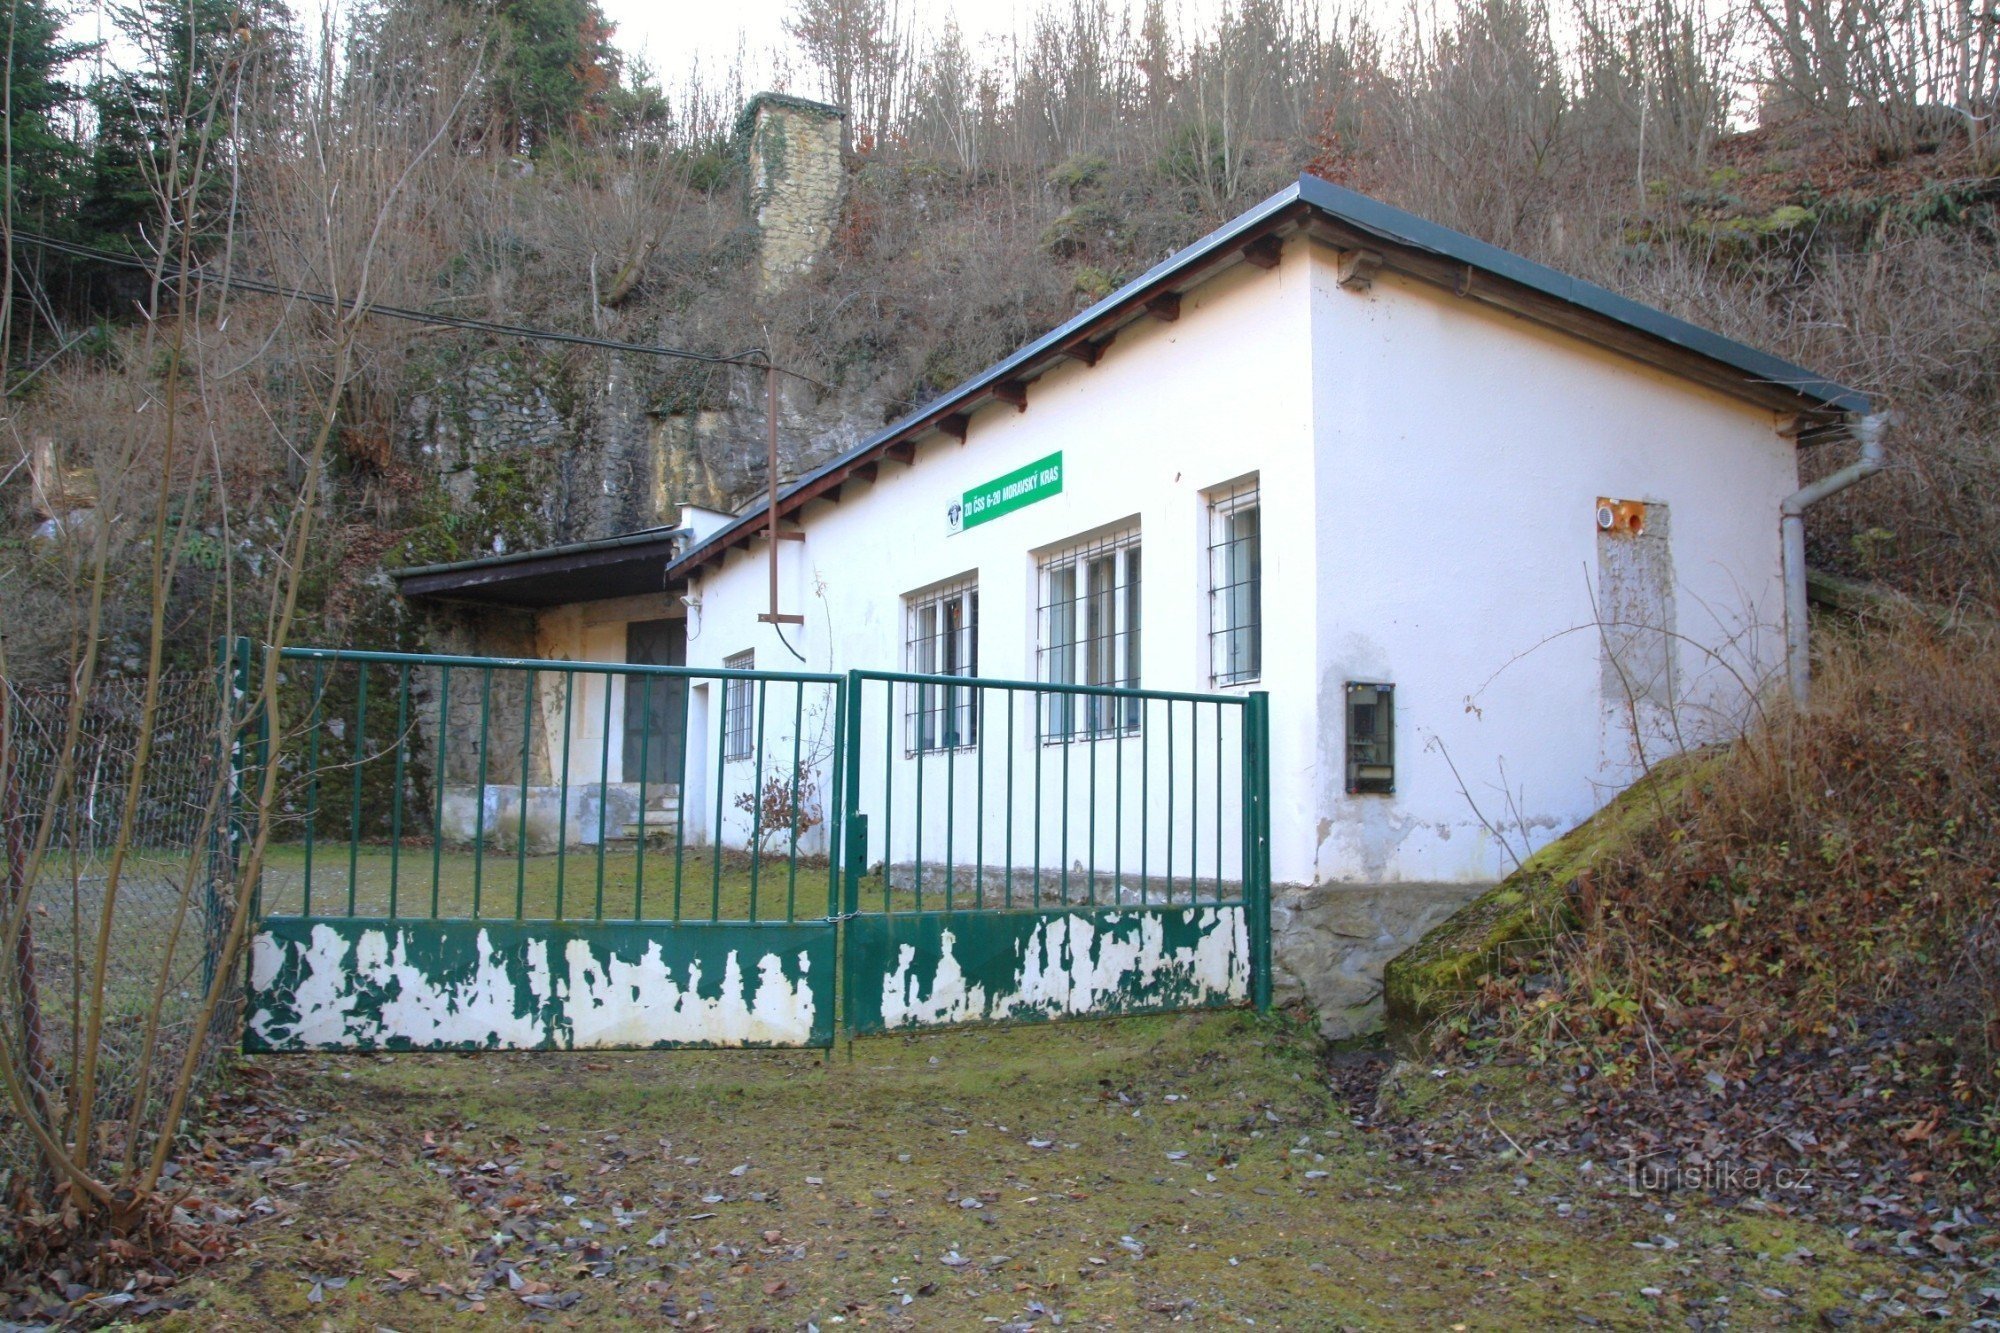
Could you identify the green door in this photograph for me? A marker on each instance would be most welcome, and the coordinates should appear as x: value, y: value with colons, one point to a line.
x: 653, y: 705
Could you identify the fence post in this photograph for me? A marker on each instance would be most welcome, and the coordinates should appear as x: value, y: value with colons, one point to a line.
x: 853, y: 851
x: 243, y: 755
x: 1257, y: 777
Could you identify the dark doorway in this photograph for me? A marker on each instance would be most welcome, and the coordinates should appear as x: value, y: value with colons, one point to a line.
x: 653, y: 726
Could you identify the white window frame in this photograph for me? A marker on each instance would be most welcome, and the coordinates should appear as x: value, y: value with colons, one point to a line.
x: 941, y: 638
x: 1088, y: 627
x: 739, y: 707
x: 1235, y: 585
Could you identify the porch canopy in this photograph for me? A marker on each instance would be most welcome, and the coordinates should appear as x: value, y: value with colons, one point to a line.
x: 627, y: 565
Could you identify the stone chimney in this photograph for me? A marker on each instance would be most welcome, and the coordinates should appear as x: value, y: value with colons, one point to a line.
x: 796, y: 152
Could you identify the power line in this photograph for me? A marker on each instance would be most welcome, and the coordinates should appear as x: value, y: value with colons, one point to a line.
x: 756, y: 357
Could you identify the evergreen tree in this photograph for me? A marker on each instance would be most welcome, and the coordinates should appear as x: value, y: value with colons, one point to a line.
x: 199, y: 56
x: 558, y: 71
x: 44, y: 159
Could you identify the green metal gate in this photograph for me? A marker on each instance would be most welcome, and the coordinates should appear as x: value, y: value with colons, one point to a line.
x: 1042, y: 851
x: 459, y: 860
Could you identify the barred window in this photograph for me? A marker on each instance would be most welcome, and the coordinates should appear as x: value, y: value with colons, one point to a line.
x: 942, y: 639
x: 1089, y: 624
x: 738, y: 707
x: 1235, y: 584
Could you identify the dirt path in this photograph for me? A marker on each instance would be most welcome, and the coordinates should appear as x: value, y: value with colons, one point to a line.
x: 1135, y: 1173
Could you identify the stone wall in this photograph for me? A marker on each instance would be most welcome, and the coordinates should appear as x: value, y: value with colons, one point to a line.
x: 796, y: 152
x: 1330, y: 943
x: 504, y: 704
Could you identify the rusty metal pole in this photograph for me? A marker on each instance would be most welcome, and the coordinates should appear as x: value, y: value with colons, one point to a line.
x: 771, y: 443
x: 773, y: 616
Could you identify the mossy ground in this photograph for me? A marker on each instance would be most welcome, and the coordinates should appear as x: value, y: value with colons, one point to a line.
x: 1283, y: 1212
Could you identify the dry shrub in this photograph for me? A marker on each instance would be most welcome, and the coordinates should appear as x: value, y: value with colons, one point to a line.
x: 1839, y: 872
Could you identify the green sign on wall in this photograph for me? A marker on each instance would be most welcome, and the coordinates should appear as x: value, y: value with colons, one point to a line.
x: 1003, y: 495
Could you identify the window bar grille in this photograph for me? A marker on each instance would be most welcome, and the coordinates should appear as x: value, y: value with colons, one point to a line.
x: 1235, y: 598
x: 941, y: 638
x: 1090, y: 623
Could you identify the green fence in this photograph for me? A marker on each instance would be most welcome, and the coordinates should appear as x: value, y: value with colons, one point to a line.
x: 485, y: 852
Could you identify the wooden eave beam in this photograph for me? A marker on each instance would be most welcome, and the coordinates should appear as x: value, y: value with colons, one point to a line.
x: 955, y: 424
x: 866, y: 471
x: 1012, y: 391
x: 1087, y: 351
x: 1165, y: 307
x: 1550, y: 312
x: 903, y: 451
x: 1265, y: 251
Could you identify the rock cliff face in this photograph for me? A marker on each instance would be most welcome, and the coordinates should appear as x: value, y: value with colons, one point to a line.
x: 535, y: 447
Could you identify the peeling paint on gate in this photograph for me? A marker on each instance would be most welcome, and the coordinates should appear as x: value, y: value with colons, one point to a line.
x: 358, y: 984
x: 938, y: 968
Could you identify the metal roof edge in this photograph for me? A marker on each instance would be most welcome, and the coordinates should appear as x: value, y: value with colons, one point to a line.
x: 1368, y: 215
x: 1405, y: 228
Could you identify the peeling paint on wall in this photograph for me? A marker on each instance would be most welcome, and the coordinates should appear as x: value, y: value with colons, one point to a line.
x: 474, y: 985
x: 943, y: 968
x: 1635, y: 603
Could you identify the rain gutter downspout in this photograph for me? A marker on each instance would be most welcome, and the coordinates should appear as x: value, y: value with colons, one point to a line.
x: 1867, y: 431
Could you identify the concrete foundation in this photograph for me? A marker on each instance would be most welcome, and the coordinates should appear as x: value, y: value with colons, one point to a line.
x: 1330, y: 942
x: 545, y: 824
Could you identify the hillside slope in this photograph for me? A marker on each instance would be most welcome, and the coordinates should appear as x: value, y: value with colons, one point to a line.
x: 1781, y: 957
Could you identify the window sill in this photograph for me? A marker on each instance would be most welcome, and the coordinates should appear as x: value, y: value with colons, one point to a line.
x: 968, y: 748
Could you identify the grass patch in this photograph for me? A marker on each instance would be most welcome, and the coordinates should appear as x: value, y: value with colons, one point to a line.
x: 1126, y: 1172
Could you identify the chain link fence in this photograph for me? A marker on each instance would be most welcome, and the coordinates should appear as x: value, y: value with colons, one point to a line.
x: 166, y: 918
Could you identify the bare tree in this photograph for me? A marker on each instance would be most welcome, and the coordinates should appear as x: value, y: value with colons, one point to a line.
x: 323, y: 168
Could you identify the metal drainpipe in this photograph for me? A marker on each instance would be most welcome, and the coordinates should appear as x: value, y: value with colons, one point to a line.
x: 1867, y: 431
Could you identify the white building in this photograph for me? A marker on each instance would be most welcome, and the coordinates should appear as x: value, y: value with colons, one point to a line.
x: 1525, y: 530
